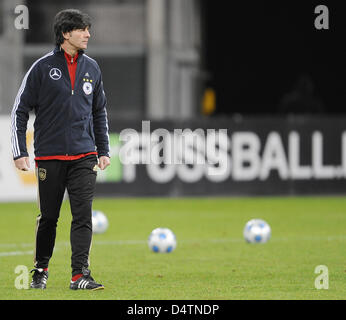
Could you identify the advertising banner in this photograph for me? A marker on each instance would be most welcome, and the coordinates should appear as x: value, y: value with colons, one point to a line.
x: 210, y: 157
x: 236, y: 156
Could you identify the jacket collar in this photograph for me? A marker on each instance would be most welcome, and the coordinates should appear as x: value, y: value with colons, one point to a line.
x: 60, y: 51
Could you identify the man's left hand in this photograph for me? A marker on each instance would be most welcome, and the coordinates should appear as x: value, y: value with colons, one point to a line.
x: 104, y: 162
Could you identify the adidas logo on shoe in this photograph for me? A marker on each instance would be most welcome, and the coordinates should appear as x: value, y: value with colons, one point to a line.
x: 39, y: 278
x: 85, y: 282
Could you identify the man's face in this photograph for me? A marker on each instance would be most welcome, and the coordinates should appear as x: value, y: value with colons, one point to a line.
x: 78, y: 38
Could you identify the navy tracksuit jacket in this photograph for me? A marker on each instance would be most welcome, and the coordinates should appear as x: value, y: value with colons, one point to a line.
x: 68, y: 122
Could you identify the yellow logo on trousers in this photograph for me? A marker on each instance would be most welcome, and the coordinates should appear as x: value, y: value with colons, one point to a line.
x: 42, y: 174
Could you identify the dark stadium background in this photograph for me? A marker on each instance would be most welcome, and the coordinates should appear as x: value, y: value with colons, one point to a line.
x: 256, y: 51
x: 252, y: 54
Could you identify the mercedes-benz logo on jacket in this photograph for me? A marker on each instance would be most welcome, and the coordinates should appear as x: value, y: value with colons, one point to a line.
x: 55, y: 73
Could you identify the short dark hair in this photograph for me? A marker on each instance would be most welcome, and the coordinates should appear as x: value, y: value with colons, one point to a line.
x: 69, y: 20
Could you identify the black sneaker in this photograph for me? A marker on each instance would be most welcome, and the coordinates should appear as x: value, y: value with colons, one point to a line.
x: 39, y: 279
x: 85, y: 282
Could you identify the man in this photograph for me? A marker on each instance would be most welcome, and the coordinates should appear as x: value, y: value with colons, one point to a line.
x: 65, y: 90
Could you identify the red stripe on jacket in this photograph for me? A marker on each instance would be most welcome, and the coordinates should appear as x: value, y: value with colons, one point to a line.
x: 66, y: 157
x: 72, y: 67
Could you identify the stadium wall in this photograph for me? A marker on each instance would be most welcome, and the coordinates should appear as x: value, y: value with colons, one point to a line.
x: 208, y: 157
x: 15, y: 185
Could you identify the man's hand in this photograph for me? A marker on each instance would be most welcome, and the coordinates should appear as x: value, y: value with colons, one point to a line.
x: 22, y: 163
x: 104, y: 162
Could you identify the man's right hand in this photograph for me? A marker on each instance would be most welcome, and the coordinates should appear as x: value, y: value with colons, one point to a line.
x: 22, y: 163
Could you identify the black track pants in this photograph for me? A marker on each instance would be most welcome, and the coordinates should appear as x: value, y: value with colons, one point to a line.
x: 54, y: 177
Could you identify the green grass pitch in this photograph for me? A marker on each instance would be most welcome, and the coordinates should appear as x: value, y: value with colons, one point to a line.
x: 211, y: 262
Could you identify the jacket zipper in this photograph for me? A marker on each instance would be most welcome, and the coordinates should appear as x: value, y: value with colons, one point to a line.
x: 71, y: 84
x: 72, y: 93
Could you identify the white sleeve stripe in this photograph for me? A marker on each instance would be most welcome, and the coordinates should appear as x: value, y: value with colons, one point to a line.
x: 90, y: 58
x: 15, y: 145
x: 14, y: 138
x: 109, y: 147
x: 105, y: 109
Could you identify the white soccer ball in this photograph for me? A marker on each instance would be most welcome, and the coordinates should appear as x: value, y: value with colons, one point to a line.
x: 162, y: 240
x: 257, y: 231
x: 99, y: 222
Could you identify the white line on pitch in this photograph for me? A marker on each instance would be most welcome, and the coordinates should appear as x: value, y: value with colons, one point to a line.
x: 135, y: 242
x: 16, y: 253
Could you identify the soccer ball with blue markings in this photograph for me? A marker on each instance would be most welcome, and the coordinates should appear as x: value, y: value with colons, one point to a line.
x: 162, y: 240
x: 257, y: 231
x: 99, y: 222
